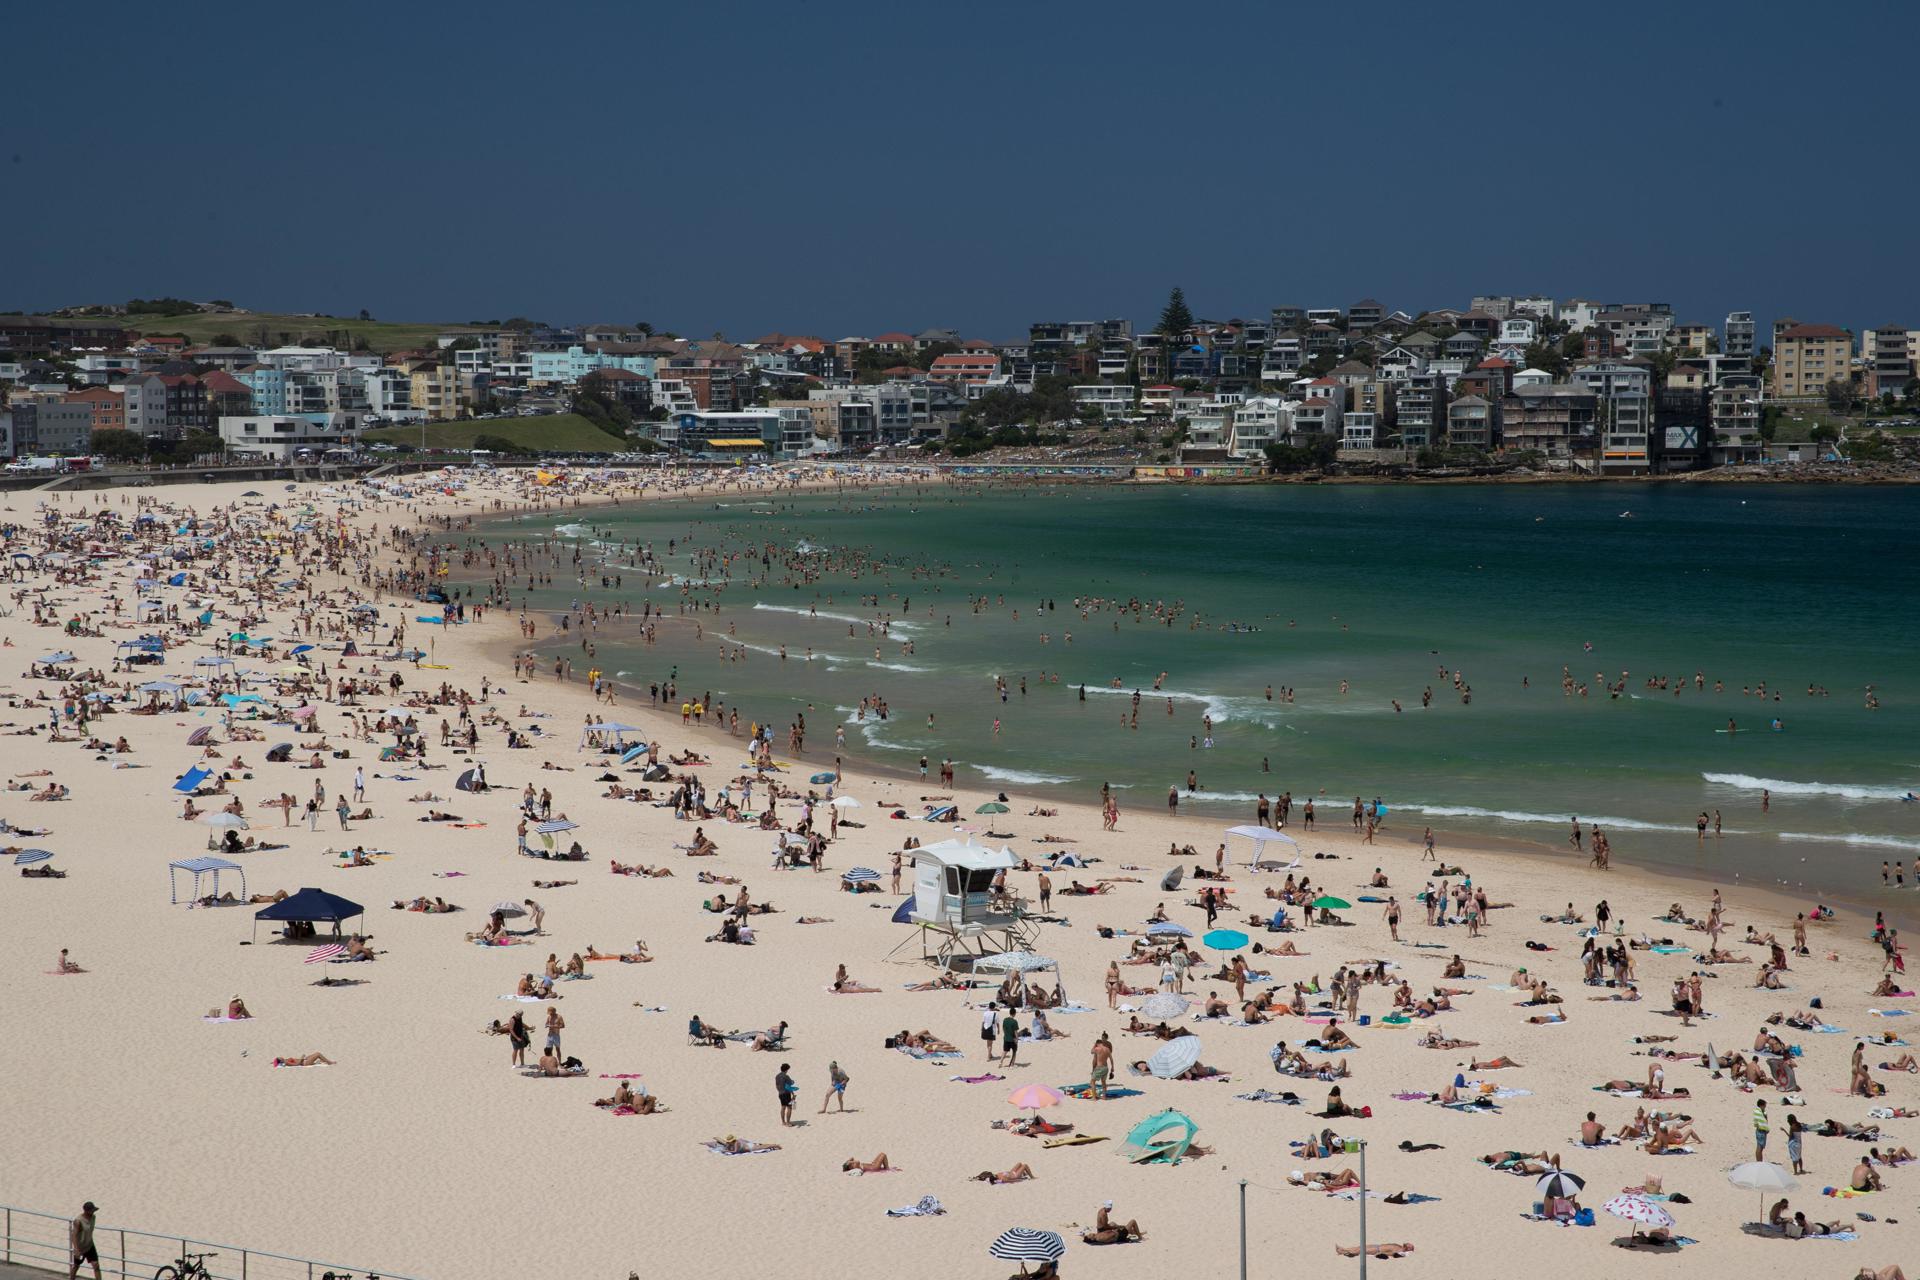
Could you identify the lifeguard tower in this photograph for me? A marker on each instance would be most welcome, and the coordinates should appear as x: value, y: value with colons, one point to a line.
x: 952, y: 889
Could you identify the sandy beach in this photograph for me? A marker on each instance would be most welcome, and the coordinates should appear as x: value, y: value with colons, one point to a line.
x: 423, y: 1151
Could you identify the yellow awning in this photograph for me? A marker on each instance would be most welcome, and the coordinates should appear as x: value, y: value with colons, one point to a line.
x: 735, y: 444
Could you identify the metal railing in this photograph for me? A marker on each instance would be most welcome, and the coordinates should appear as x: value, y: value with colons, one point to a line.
x: 29, y: 1238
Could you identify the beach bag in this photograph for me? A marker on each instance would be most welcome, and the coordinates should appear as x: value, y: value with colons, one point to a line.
x: 1584, y: 1218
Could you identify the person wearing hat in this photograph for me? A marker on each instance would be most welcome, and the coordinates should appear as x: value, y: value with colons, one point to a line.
x: 1107, y: 1231
x: 80, y: 1242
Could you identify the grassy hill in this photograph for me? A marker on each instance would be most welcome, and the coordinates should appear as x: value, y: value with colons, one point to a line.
x: 270, y: 329
x: 557, y: 433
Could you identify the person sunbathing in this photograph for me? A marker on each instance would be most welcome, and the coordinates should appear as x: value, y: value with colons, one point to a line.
x: 622, y: 1097
x: 1021, y: 1172
x: 1334, y: 1038
x: 1497, y: 1063
x: 1887, y: 987
x: 1286, y: 948
x: 876, y: 1165
x: 436, y: 815
x: 303, y: 1060
x: 553, y: 884
x: 1106, y: 1231
x: 1326, y: 1180
x: 1374, y: 1250
x: 1891, y: 1271
x: 1866, y: 1178
x: 1435, y: 1040
x: 1523, y: 1163
x: 741, y: 1146
x: 576, y: 966
x: 1905, y: 1062
x: 236, y: 1010
x: 1456, y: 968
x: 42, y: 873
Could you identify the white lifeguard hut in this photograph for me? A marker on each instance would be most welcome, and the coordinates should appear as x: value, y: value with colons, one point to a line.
x: 952, y: 892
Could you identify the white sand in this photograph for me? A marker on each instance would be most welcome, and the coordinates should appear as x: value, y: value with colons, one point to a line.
x: 423, y: 1153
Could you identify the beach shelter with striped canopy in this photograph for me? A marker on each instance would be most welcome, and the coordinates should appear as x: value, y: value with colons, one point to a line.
x: 197, y: 867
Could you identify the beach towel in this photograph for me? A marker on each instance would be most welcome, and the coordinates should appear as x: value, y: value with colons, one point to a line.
x: 525, y: 999
x: 977, y: 1079
x: 1085, y: 1092
x: 1072, y: 1140
x: 924, y: 1207
x: 929, y: 1055
x: 1838, y: 1235
x: 224, y: 1018
x: 1843, y: 1193
x: 753, y: 1149
x: 1268, y: 1095
x: 1889, y: 1013
x: 281, y: 1063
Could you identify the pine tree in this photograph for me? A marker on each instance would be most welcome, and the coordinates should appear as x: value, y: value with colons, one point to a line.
x: 1175, y: 318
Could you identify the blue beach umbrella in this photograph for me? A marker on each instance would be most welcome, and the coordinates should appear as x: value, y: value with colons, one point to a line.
x: 27, y: 857
x: 1168, y: 929
x: 1225, y: 940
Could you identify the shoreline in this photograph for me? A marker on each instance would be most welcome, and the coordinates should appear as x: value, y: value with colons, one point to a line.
x: 1901, y: 913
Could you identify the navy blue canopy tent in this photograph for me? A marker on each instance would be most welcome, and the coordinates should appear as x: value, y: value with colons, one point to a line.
x: 310, y: 906
x: 200, y: 867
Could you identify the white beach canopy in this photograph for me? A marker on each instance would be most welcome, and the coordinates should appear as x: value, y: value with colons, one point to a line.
x: 1259, y: 839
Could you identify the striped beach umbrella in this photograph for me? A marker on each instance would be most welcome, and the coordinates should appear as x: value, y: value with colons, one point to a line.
x: 27, y: 857
x: 1168, y: 929
x: 860, y: 875
x: 1560, y: 1183
x: 320, y: 955
x: 555, y: 824
x: 1025, y: 1244
x: 1174, y: 1057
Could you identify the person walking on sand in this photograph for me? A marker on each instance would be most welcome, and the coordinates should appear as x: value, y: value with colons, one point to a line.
x: 1393, y: 917
x: 1760, y: 1130
x: 344, y: 810
x: 989, y: 1023
x: 359, y: 784
x: 555, y: 1025
x: 80, y: 1246
x: 1010, y: 1038
x: 837, y: 1081
x: 1102, y: 1066
x: 537, y: 912
x: 785, y: 1088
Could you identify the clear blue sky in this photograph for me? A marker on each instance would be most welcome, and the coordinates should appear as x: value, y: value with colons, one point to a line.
x: 843, y: 168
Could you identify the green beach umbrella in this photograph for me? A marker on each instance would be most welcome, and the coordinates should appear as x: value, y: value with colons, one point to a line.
x: 1331, y: 903
x: 992, y: 806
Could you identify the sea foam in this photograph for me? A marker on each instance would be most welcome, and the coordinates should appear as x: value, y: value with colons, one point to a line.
x: 1785, y: 787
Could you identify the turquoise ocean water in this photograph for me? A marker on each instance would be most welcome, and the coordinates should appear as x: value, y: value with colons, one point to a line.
x: 1392, y: 589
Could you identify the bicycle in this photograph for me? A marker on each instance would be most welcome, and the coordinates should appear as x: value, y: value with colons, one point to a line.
x: 188, y: 1266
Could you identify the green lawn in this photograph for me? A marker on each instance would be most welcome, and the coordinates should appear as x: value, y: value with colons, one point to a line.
x: 558, y: 433
x: 268, y: 329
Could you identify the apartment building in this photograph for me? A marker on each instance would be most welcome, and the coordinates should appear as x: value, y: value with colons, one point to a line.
x: 1557, y: 419
x: 1420, y: 408
x: 1473, y: 422
x: 1734, y: 409
x: 1808, y: 356
x: 109, y: 407
x: 1892, y: 356
x: 1113, y: 401
x: 1736, y: 335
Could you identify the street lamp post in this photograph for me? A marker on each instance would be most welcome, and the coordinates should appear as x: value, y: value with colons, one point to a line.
x: 1363, y: 1209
